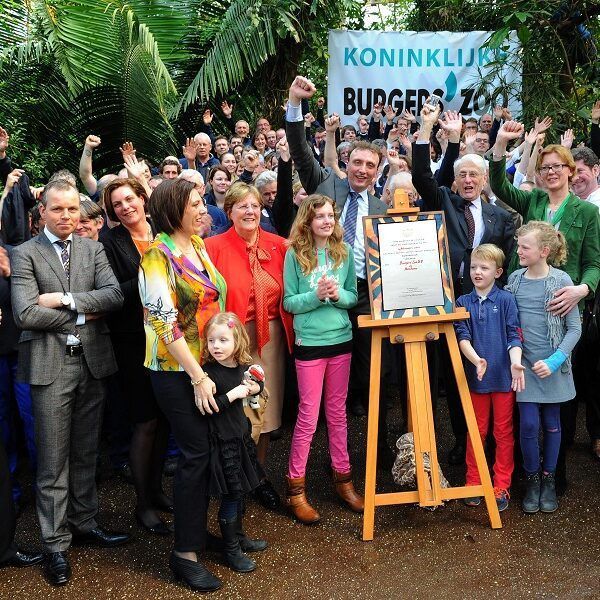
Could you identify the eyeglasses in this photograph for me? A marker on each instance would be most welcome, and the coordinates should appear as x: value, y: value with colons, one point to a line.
x: 465, y: 174
x: 557, y: 168
x: 246, y: 207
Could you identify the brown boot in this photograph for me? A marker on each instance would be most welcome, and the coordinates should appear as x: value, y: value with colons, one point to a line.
x: 345, y: 490
x: 298, y: 504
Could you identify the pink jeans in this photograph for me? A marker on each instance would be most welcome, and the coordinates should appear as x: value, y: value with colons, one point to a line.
x: 312, y: 374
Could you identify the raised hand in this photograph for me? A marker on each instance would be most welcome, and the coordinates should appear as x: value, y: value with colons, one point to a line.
x: 393, y: 158
x: 251, y: 161
x: 284, y: 149
x: 189, y: 149
x: 510, y: 130
x: 321, y: 102
x: 127, y: 149
x: 332, y: 123
x: 207, y: 117
x: 13, y: 177
x: 226, y: 109
x: 92, y: 142
x: 498, y: 111
x: 470, y: 140
x: 405, y: 141
x: 393, y: 135
x: 451, y: 124
x: 567, y: 138
x: 309, y: 119
x: 506, y: 114
x: 408, y: 115
x: 531, y: 137
x: 390, y: 113
x: 430, y: 114
x: 377, y: 109
x: 301, y: 88
x: 3, y: 140
x: 595, y: 113
x: 543, y: 125
x: 135, y: 168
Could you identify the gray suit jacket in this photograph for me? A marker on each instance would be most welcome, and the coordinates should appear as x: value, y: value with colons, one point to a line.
x: 320, y: 180
x: 37, y: 269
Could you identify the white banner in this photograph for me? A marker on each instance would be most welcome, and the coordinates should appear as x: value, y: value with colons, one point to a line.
x: 403, y: 68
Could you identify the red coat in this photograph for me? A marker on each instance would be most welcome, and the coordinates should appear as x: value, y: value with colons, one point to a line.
x: 228, y: 253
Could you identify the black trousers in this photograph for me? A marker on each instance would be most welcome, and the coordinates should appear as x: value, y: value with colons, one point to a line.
x: 360, y: 370
x: 175, y: 397
x: 7, y: 510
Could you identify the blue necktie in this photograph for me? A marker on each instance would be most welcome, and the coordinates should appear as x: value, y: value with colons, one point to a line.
x: 351, y: 216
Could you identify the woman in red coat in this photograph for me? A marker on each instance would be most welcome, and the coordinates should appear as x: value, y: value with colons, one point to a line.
x: 251, y: 261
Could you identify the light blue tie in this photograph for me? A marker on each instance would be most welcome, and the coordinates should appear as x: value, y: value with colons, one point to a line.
x: 351, y: 216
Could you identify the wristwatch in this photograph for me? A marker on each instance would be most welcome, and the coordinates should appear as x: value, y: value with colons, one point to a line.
x: 65, y: 300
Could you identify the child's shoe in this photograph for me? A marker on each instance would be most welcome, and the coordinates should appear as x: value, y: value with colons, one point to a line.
x: 548, y: 501
x: 531, y: 501
x: 472, y: 502
x: 502, y: 498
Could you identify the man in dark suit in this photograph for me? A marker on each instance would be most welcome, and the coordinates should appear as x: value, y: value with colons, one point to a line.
x: 61, y: 286
x: 10, y: 555
x: 469, y: 222
x: 353, y: 201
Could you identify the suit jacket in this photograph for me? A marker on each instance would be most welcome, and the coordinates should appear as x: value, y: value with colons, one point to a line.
x: 37, y: 269
x: 580, y: 225
x: 499, y: 227
x: 124, y: 259
x: 228, y: 253
x: 320, y: 180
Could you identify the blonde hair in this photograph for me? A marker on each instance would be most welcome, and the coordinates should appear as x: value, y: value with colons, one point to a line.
x: 564, y: 153
x: 301, y: 236
x: 489, y: 252
x: 241, y: 341
x: 238, y: 192
x: 547, y: 237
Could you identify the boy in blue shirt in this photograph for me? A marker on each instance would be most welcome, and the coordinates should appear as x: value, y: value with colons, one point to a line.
x: 490, y: 340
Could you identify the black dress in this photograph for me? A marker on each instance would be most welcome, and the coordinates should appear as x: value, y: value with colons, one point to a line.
x: 234, y: 468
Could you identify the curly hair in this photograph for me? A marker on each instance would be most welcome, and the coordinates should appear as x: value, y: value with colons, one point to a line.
x: 241, y: 341
x: 547, y: 237
x: 301, y: 237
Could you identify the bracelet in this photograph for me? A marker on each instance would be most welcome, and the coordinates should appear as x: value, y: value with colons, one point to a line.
x: 203, y: 377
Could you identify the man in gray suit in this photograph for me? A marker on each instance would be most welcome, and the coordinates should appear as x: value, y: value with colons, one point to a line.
x: 62, y: 285
x: 353, y: 201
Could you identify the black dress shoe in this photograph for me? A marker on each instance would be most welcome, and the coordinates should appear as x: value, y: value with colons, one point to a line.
x: 357, y: 409
x: 193, y: 574
x: 265, y: 493
x: 57, y: 568
x: 158, y: 528
x: 456, y: 456
x: 23, y: 559
x: 101, y: 537
x: 170, y: 466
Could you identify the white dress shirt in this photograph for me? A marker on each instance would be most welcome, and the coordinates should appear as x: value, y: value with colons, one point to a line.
x: 71, y: 339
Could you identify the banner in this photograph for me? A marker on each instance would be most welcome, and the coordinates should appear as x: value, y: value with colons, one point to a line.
x: 403, y: 68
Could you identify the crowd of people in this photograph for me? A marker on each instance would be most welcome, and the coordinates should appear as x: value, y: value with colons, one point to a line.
x: 187, y: 301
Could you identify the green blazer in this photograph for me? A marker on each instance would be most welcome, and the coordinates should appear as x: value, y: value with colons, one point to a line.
x: 580, y: 225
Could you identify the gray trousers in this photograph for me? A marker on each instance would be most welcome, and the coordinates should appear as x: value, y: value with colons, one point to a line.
x: 68, y: 419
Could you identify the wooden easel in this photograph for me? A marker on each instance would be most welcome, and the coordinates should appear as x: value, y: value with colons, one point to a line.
x: 414, y: 333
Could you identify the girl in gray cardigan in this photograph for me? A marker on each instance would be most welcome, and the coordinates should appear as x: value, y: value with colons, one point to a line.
x: 548, y: 340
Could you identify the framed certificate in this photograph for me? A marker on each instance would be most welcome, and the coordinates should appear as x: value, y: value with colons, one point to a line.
x: 408, y: 265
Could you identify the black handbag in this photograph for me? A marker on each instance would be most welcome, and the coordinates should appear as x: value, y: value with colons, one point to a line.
x: 590, y: 328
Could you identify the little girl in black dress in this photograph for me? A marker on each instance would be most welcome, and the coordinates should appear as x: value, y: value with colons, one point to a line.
x: 234, y: 468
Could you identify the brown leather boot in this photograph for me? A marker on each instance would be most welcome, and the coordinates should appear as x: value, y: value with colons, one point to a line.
x: 298, y: 504
x: 345, y: 490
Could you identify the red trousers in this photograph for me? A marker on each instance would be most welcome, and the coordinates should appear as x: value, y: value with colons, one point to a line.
x: 501, y: 404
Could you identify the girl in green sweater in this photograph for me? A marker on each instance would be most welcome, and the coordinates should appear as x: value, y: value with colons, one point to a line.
x: 319, y: 288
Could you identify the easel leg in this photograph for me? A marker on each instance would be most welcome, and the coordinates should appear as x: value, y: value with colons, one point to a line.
x: 372, y: 435
x: 472, y: 428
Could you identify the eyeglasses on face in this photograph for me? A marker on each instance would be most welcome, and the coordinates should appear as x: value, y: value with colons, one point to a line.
x: 557, y: 168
